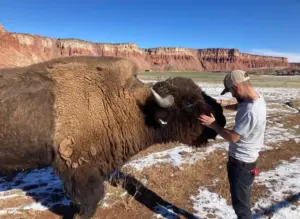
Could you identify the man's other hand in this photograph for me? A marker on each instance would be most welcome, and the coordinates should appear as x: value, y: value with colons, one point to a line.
x: 228, y: 104
x: 207, y: 120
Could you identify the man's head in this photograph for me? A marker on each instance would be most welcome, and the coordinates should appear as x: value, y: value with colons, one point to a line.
x: 237, y: 82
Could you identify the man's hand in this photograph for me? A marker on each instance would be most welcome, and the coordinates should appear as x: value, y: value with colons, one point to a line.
x: 227, y: 134
x: 207, y: 120
x: 220, y: 102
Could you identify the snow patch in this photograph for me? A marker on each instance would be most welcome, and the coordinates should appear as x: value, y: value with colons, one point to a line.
x: 207, y: 203
x: 175, y: 156
x: 276, y: 133
x: 281, y: 182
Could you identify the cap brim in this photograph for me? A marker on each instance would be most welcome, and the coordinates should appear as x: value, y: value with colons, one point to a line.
x: 224, y: 91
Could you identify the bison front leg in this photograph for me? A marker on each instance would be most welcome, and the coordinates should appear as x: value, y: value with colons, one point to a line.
x: 85, y: 188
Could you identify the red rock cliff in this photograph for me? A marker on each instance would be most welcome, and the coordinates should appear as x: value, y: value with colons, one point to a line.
x: 24, y: 49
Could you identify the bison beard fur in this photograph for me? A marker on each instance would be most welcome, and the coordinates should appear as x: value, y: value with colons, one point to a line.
x: 86, y: 116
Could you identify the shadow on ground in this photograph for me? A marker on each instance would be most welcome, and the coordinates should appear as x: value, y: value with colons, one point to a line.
x: 149, y: 198
x: 276, y: 207
x: 42, y: 185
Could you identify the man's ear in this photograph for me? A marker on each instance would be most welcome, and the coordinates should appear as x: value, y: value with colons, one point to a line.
x: 236, y: 87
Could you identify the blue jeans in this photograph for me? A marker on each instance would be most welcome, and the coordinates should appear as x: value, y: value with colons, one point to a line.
x: 240, y: 181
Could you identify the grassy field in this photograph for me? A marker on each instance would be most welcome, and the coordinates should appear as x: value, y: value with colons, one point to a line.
x: 217, y: 78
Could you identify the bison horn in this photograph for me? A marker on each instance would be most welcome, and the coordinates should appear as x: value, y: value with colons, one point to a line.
x: 163, y: 102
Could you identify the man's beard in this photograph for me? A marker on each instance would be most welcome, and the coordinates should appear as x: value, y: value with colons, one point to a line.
x: 238, y: 98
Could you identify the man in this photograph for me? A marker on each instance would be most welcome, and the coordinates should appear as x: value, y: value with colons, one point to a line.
x: 245, y: 140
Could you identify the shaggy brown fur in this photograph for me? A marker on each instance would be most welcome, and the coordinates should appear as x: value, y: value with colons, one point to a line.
x: 26, y: 120
x: 89, y: 115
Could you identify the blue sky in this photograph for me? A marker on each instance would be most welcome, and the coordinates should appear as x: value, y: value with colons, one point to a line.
x: 260, y: 27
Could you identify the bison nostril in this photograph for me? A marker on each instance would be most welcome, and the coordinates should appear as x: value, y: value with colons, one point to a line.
x: 99, y: 68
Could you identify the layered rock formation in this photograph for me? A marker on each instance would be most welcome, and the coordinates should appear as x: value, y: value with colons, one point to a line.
x: 295, y: 64
x: 24, y: 49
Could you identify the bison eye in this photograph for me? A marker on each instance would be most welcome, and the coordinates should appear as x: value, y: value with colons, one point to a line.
x: 162, y: 117
x: 162, y: 122
x: 188, y: 107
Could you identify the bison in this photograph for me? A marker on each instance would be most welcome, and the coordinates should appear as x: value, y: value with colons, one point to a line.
x: 86, y: 116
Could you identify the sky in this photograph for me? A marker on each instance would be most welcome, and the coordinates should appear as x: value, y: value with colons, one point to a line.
x: 267, y: 27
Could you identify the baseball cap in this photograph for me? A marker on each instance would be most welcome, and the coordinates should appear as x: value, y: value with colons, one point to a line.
x: 234, y: 77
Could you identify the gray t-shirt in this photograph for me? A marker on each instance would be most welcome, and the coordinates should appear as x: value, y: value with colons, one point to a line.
x: 250, y: 124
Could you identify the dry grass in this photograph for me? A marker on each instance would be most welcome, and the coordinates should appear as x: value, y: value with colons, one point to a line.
x: 294, y: 104
x: 293, y: 121
x: 271, y: 158
x: 30, y: 214
x: 163, y: 185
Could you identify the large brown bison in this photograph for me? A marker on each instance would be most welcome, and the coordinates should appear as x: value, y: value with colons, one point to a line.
x: 86, y: 116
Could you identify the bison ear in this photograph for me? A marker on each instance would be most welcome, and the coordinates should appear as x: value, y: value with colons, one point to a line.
x: 163, y: 102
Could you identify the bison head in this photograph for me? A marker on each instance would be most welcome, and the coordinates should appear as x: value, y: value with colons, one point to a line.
x: 174, y: 107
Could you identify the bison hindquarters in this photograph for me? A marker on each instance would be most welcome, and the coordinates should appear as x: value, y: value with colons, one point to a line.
x: 85, y: 188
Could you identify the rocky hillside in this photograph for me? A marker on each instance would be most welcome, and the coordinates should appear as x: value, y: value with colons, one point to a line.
x: 17, y: 49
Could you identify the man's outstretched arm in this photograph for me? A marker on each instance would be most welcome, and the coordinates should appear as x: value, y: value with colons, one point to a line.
x: 228, y: 104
